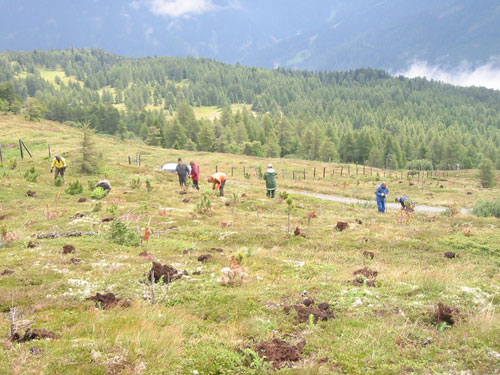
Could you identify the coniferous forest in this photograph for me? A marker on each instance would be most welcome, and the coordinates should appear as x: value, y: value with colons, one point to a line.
x: 364, y: 116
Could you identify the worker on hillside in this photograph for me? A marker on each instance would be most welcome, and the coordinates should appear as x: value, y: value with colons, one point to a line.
x: 381, y: 192
x: 195, y: 174
x: 182, y: 171
x: 270, y: 178
x: 218, y: 180
x: 104, y: 184
x: 406, y: 204
x: 59, y: 163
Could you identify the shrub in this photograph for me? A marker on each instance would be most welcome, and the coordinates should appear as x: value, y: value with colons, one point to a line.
x: 74, y: 188
x: 204, y: 206
x: 149, y: 187
x: 122, y: 235
x: 59, y: 181
x: 135, y: 183
x: 487, y: 173
x: 31, y: 175
x: 13, y: 164
x: 98, y: 193
x: 420, y: 164
x: 487, y: 208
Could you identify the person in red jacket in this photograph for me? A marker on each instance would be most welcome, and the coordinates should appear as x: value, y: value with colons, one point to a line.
x: 218, y: 180
x: 195, y: 175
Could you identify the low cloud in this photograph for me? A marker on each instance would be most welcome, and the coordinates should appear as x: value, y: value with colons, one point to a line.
x: 186, y: 8
x: 487, y: 75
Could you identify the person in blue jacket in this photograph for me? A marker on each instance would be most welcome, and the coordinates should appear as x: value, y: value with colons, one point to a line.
x: 381, y: 193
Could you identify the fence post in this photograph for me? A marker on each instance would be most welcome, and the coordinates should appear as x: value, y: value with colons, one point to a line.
x: 304, y: 173
x: 364, y: 170
x: 21, y: 148
x: 324, y: 172
x: 341, y: 171
x: 232, y: 171
x: 371, y: 171
x: 129, y: 160
x: 50, y: 154
x: 356, y: 169
x: 349, y: 169
x: 294, y: 175
x: 244, y: 171
x: 27, y: 149
x: 314, y: 173
x: 1, y: 154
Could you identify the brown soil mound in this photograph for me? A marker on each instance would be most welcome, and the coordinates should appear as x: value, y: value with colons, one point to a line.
x: 341, y: 226
x: 186, y: 200
x: 108, y: 300
x: 204, y: 258
x: 163, y: 272
x: 7, y: 272
x: 446, y: 314
x: 359, y: 221
x: 68, y: 249
x: 31, y: 245
x: 308, y: 302
x: 227, y: 204
x: 366, y: 272
x: 76, y: 260
x: 36, y: 334
x: 107, y: 219
x: 298, y: 232
x: 322, y: 313
x: 36, y: 351
x: 450, y: 255
x: 79, y: 215
x: 3, y: 217
x: 361, y: 281
x: 280, y: 352
x: 369, y: 254
x: 82, y: 199
x: 182, y: 192
x: 31, y: 193
x: 219, y: 250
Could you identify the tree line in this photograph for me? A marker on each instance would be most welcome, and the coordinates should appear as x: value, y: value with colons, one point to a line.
x: 363, y: 116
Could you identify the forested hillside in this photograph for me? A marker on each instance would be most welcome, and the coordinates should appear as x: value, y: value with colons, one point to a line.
x: 361, y: 116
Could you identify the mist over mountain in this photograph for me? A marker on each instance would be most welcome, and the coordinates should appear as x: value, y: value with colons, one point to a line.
x: 315, y: 35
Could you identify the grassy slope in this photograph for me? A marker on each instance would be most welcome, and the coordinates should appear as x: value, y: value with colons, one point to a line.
x: 203, y: 326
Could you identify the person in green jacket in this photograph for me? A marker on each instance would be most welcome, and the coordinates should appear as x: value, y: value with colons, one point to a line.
x: 270, y: 177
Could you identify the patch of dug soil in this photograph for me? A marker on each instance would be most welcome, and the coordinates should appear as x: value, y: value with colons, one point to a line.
x: 219, y: 250
x: 341, y: 226
x: 82, y: 199
x: 450, y: 255
x: 3, y: 217
x: 298, y: 232
x: 366, y: 272
x: 68, y: 249
x: 31, y: 193
x: 204, y: 258
x: 186, y: 200
x: 76, y: 260
x: 107, y: 219
x: 36, y: 351
x: 108, y: 300
x: 359, y: 280
x: 7, y: 272
x: 448, y: 314
x: 279, y: 352
x: 164, y: 272
x: 369, y: 254
x: 32, y: 245
x: 36, y: 334
x: 322, y: 313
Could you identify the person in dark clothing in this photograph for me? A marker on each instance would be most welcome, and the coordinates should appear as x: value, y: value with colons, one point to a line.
x: 182, y: 171
x: 406, y: 204
x: 195, y: 175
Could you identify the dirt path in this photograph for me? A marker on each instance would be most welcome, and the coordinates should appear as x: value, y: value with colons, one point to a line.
x: 395, y: 206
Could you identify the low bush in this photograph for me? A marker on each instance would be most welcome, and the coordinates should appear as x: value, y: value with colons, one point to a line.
x: 59, y: 181
x: 74, y: 188
x: 99, y: 193
x: 487, y: 208
x: 31, y: 175
x: 122, y: 235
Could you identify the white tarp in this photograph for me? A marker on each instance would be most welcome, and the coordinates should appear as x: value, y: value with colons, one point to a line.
x: 170, y: 168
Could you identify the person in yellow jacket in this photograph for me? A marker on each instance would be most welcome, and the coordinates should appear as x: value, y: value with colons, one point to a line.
x: 218, y: 180
x: 60, y: 165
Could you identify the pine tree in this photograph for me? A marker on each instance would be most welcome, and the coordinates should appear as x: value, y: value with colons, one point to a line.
x: 487, y: 173
x: 90, y: 161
